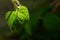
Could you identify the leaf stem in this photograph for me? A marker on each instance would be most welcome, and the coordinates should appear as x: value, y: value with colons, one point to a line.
x: 16, y: 3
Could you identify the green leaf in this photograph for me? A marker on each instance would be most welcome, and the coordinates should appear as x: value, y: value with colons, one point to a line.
x: 12, y: 18
x: 51, y: 22
x: 21, y: 17
x: 23, y: 14
x: 8, y: 14
x: 23, y: 10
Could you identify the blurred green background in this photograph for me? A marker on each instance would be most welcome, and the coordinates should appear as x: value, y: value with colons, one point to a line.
x: 45, y: 25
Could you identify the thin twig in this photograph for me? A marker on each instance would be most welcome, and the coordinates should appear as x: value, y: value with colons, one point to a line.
x: 54, y: 2
x: 56, y: 6
x: 16, y: 3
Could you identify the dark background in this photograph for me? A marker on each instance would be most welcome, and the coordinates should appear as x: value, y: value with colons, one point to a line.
x: 41, y: 30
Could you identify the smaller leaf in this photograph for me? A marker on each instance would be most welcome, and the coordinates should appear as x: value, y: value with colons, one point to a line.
x: 20, y: 17
x: 8, y: 14
x: 12, y: 18
x: 23, y: 15
x: 24, y: 11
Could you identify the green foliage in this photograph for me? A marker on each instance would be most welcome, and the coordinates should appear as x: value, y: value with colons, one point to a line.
x: 21, y: 15
x: 51, y: 22
x: 39, y: 15
x: 42, y: 19
x: 7, y: 14
x: 43, y: 11
x: 10, y: 17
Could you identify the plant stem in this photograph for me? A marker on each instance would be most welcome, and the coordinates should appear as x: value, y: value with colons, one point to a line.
x: 16, y: 3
